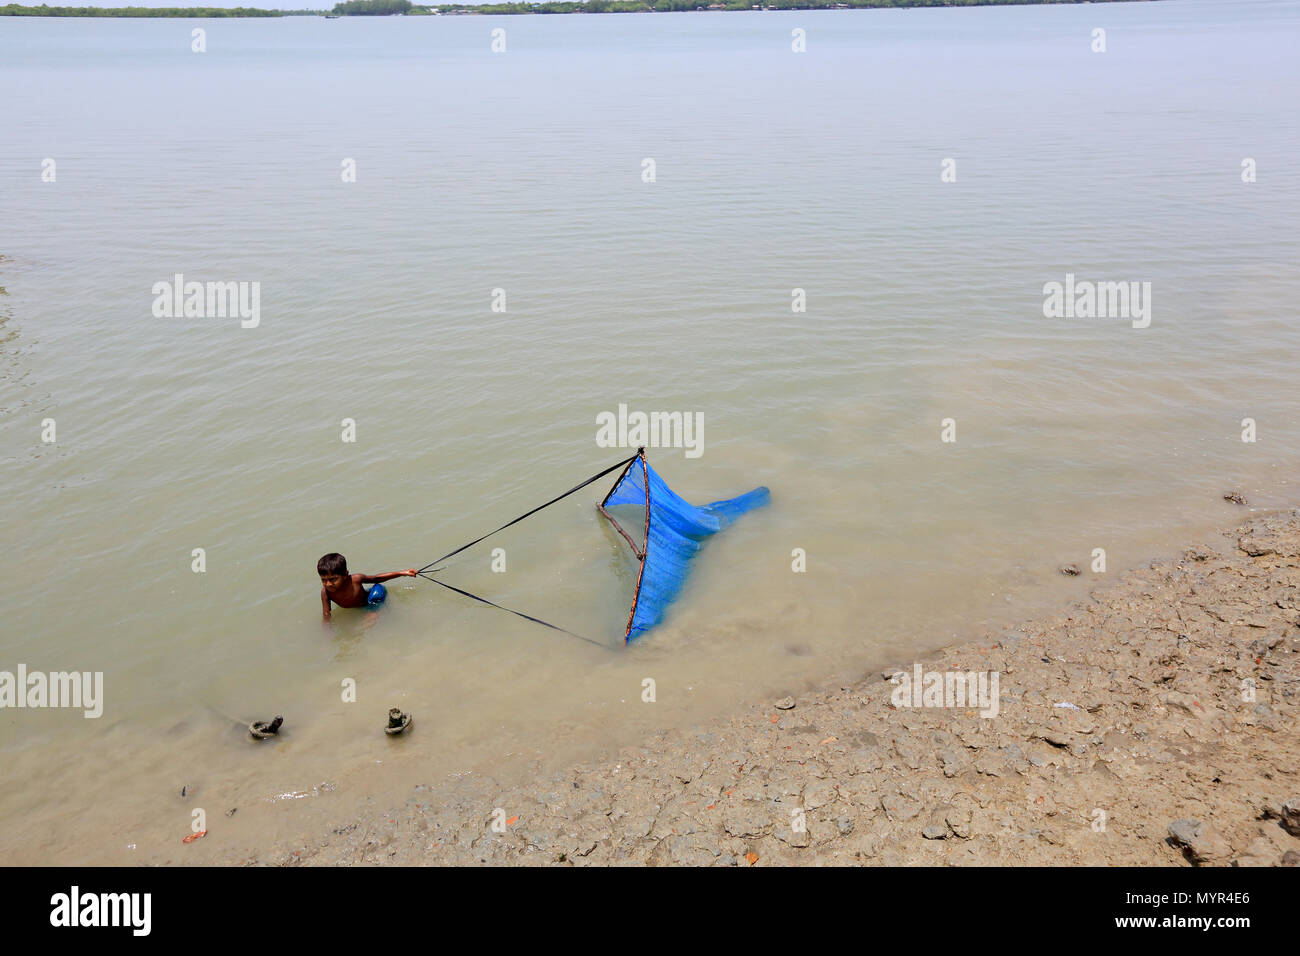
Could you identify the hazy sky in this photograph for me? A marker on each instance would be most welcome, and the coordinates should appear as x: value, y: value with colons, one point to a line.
x: 260, y: 4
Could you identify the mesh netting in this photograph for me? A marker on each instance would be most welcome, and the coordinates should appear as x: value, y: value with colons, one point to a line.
x: 676, y: 530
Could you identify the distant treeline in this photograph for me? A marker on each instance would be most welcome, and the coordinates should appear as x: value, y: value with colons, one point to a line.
x: 15, y: 10
x: 372, y: 8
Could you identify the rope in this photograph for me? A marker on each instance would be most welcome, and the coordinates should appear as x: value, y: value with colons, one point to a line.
x: 526, y: 617
x: 533, y: 512
x: 627, y: 462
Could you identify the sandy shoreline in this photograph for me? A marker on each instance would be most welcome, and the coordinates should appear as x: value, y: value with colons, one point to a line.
x: 1178, y: 746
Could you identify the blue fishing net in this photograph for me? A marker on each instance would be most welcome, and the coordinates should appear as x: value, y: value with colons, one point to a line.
x: 677, y: 530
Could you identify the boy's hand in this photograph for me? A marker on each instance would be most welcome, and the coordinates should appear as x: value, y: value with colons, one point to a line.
x: 410, y: 572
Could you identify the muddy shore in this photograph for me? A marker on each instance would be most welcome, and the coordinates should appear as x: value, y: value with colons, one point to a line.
x: 1153, y: 723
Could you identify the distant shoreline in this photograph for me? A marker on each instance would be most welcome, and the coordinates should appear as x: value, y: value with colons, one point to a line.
x: 386, y: 8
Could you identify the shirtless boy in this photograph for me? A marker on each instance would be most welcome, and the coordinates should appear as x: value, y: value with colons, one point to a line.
x: 348, y: 590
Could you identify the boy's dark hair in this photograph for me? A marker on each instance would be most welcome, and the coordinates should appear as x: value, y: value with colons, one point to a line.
x: 332, y: 563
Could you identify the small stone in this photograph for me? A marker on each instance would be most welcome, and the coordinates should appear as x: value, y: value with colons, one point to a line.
x: 795, y: 838
x: 959, y: 819
x: 935, y: 832
x: 953, y: 763
x: 844, y: 825
x: 899, y: 807
x: 1070, y: 570
x: 1054, y: 737
x: 785, y: 703
x: 1291, y: 816
x: 1198, y: 841
x: 1236, y: 497
x: 1255, y: 549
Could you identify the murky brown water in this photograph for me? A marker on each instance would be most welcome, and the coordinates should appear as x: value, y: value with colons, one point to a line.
x: 774, y: 171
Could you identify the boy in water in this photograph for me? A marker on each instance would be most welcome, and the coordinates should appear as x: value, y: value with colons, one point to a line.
x: 346, y: 590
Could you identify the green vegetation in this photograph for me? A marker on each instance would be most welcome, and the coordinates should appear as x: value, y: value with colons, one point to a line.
x: 372, y: 8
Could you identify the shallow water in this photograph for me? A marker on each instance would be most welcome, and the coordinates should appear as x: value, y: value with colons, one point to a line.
x: 523, y: 171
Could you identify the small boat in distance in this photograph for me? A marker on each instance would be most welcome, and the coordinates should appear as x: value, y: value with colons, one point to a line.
x: 332, y: 16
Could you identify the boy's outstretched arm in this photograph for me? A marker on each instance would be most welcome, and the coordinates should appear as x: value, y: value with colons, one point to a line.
x: 324, y: 604
x: 381, y: 578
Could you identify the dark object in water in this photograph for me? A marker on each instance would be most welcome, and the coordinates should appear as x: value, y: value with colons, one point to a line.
x: 1070, y: 569
x: 397, y: 721
x: 182, y: 791
x: 260, y: 729
x: 1236, y: 497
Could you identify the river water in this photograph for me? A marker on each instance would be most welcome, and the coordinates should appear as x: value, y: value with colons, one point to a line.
x: 919, y: 175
